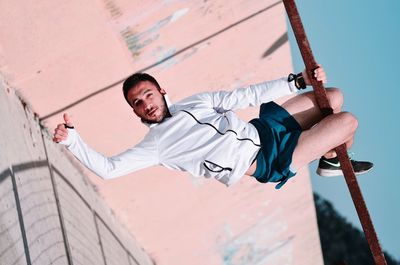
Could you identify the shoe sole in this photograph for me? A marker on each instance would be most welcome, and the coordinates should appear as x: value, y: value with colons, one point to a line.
x: 334, y: 173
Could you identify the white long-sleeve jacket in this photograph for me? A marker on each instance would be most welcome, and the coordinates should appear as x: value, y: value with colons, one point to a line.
x: 203, y: 137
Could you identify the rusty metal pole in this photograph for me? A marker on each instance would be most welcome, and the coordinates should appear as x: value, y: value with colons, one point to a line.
x: 341, y: 150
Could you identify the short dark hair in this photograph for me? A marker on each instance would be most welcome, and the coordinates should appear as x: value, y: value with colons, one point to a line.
x: 135, y: 79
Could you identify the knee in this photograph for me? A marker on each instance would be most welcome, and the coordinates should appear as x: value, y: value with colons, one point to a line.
x: 348, y: 121
x: 335, y: 97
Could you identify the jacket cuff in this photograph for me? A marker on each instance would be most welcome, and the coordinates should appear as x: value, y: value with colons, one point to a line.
x: 72, y: 135
x: 292, y: 86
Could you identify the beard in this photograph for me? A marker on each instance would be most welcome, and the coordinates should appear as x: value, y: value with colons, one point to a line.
x: 164, y: 114
x: 157, y: 119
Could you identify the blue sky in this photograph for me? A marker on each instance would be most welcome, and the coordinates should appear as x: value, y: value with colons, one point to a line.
x: 358, y: 44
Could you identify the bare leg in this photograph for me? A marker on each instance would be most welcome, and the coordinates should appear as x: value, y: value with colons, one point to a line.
x: 329, y: 133
x: 332, y: 153
x: 313, y: 143
x: 305, y: 110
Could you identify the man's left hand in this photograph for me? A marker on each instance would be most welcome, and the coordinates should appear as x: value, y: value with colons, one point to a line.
x: 319, y: 74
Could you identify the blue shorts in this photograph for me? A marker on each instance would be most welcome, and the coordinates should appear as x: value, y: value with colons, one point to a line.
x: 279, y: 133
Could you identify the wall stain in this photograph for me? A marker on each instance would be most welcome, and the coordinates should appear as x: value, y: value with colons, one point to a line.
x: 258, y: 245
x: 114, y: 10
x: 165, y: 56
x: 137, y: 41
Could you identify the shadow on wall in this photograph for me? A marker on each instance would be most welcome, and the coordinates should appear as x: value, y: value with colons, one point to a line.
x: 49, y: 212
x: 133, y: 38
x: 9, y: 178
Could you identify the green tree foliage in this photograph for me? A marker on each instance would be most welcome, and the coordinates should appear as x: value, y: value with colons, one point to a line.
x: 341, y: 242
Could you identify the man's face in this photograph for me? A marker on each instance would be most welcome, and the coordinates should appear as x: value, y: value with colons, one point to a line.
x: 148, y: 102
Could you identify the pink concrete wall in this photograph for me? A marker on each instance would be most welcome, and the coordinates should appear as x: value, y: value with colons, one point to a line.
x: 57, y: 52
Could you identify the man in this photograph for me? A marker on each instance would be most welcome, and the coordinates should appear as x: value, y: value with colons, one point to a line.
x: 202, y: 135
